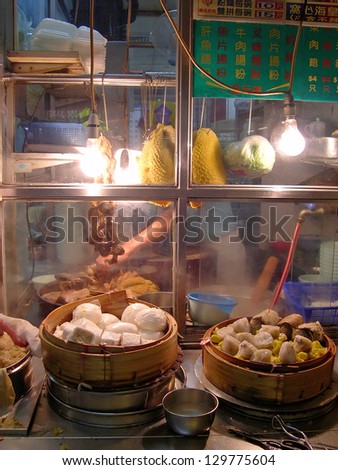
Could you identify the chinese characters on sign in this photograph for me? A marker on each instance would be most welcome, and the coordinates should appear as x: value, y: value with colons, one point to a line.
x: 257, y: 58
x: 323, y: 12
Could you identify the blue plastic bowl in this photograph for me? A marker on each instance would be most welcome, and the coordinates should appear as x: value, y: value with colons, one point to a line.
x: 209, y: 309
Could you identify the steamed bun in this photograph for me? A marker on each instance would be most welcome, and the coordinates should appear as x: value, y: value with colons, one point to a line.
x: 149, y: 335
x: 88, y: 310
x: 107, y: 319
x: 129, y: 313
x: 130, y: 339
x: 122, y: 327
x: 111, y: 338
x: 153, y: 319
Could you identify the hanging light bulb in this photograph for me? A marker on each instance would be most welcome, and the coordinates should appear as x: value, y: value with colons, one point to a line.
x: 93, y: 163
x: 126, y: 171
x: 286, y: 138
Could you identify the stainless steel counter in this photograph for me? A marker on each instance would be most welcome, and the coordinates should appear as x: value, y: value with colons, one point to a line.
x: 49, y: 430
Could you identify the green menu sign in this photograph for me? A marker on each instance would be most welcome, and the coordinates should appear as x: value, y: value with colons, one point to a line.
x: 257, y: 58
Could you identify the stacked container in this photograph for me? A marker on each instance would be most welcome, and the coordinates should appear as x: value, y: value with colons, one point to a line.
x: 55, y: 35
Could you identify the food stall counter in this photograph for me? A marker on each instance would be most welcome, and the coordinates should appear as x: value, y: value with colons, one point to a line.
x: 50, y: 430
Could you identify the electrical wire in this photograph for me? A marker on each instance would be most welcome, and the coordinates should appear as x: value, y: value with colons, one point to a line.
x: 30, y: 233
x: 104, y: 99
x: 164, y: 102
x: 218, y: 82
x: 295, y: 46
x: 91, y: 35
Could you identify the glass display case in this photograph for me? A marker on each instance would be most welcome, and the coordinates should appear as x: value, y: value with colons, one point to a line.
x: 186, y: 228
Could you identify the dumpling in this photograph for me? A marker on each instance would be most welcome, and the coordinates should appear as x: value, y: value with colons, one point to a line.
x: 274, y: 330
x: 244, y: 335
x: 107, y: 319
x: 225, y: 331
x: 230, y: 345
x: 266, y: 317
x: 262, y: 355
x: 241, y: 325
x: 302, y: 344
x: 289, y: 323
x: 312, y: 330
x: 246, y: 350
x: 263, y: 340
x: 129, y: 313
x: 88, y: 310
x: 287, y: 353
x: 121, y: 327
x: 152, y: 319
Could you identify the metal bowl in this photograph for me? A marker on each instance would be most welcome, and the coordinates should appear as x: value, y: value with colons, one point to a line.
x: 190, y: 411
x: 21, y: 375
x: 163, y: 300
x: 209, y: 308
x: 41, y: 281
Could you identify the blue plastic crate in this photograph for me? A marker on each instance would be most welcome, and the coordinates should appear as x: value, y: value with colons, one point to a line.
x: 57, y: 133
x: 314, y: 301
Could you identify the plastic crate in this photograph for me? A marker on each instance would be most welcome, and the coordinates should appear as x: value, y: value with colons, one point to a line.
x: 57, y: 133
x: 314, y: 301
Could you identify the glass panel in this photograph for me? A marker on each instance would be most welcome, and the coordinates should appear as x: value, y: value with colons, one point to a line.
x: 242, y: 136
x: 51, y: 128
x: 242, y: 250
x: 148, y: 45
x: 56, y: 252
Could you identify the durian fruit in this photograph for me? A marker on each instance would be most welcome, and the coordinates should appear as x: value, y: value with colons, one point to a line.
x: 207, y: 160
x: 156, y: 165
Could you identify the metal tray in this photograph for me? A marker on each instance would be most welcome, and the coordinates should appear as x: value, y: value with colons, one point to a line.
x: 311, y: 408
x: 321, y: 151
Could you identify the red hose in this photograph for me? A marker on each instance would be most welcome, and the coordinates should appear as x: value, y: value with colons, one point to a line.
x: 287, y: 264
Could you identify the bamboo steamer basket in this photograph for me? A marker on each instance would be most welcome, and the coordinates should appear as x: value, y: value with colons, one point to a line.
x: 266, y: 383
x: 108, y: 367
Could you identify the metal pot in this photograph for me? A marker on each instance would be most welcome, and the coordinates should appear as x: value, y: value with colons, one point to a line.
x: 21, y: 375
x: 163, y: 300
x: 143, y: 397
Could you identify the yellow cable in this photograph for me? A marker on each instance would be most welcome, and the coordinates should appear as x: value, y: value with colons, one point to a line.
x: 91, y: 32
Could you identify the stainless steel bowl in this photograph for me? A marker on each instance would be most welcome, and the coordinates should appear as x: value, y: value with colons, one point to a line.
x: 21, y: 375
x: 190, y: 411
x: 163, y: 300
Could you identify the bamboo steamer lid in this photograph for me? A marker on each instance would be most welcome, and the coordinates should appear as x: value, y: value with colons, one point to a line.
x: 255, y: 383
x: 108, y: 367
